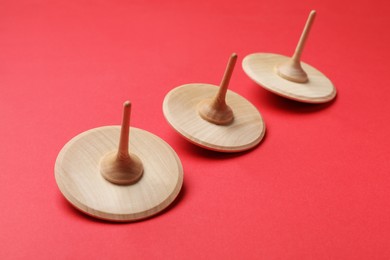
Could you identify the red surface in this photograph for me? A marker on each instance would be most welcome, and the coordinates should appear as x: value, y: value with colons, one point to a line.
x: 317, y: 187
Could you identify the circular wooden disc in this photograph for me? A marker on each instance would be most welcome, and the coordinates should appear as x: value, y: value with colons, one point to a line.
x: 80, y: 181
x: 260, y: 67
x: 180, y: 108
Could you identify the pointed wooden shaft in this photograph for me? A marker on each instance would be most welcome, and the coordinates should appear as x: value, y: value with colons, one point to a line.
x: 220, y: 99
x: 123, y: 149
x: 216, y: 110
x: 301, y: 44
x: 292, y: 69
x: 122, y: 167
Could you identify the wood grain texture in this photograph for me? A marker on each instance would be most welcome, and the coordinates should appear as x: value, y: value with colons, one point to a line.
x: 78, y: 175
x: 261, y: 68
x: 180, y: 108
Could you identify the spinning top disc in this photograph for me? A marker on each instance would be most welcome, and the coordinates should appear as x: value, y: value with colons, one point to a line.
x: 288, y: 76
x: 260, y: 67
x: 78, y: 175
x: 182, y: 108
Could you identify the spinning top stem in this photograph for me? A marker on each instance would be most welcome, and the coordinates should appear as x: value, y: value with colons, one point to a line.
x: 292, y: 69
x: 121, y: 167
x: 216, y: 110
x: 123, y: 149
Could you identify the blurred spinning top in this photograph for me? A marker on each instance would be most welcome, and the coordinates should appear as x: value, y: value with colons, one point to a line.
x: 289, y: 77
x: 110, y: 182
x: 214, y: 117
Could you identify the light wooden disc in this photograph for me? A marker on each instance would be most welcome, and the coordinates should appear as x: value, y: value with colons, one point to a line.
x: 260, y: 67
x: 80, y: 181
x: 181, y: 111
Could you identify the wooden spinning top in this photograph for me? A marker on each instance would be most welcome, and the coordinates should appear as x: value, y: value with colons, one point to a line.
x: 107, y: 181
x: 289, y: 77
x: 214, y: 117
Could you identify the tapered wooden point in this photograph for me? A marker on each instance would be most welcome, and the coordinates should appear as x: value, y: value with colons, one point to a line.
x: 216, y: 110
x: 292, y: 69
x: 122, y: 167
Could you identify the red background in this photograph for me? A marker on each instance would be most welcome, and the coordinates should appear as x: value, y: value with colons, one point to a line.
x: 317, y: 187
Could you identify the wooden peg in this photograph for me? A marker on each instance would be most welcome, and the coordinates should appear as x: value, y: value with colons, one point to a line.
x: 121, y: 167
x: 216, y: 110
x: 292, y: 69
